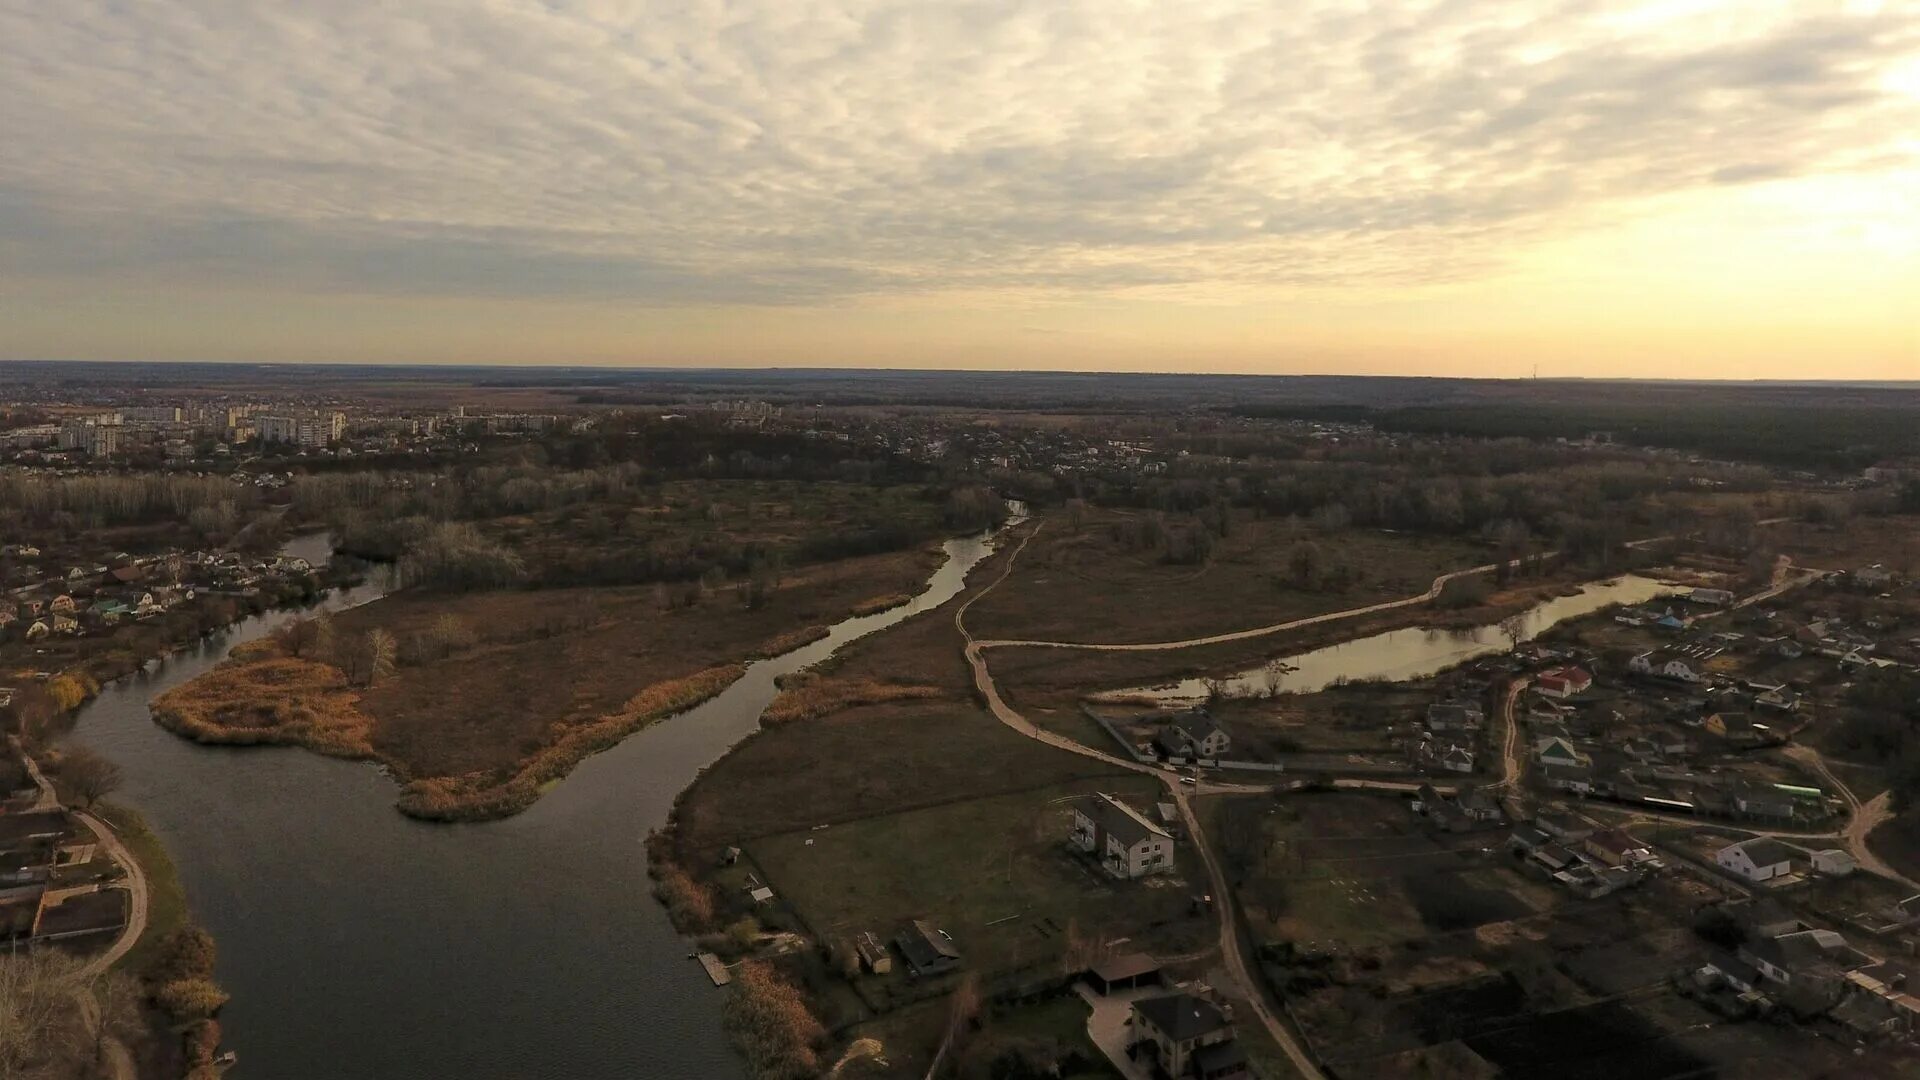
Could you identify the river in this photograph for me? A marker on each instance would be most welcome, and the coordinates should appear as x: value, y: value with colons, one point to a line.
x: 1413, y: 652
x: 361, y: 944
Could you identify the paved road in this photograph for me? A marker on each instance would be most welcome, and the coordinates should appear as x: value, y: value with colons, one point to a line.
x: 1230, y: 946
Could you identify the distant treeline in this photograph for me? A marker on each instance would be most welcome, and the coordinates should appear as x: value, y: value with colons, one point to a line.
x: 1805, y: 434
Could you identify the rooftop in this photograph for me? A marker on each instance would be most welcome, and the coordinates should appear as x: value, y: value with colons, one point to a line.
x: 1181, y: 1017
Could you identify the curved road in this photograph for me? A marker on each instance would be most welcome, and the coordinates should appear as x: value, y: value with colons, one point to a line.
x: 1231, y: 953
x: 1432, y: 593
x: 136, y: 877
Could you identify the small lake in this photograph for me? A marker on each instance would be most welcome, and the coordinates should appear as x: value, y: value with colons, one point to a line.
x: 359, y: 943
x: 1415, y: 652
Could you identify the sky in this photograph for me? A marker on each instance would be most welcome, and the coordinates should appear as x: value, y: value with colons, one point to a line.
x: 1677, y: 189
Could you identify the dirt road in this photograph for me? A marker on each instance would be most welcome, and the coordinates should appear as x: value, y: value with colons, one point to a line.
x: 1230, y: 946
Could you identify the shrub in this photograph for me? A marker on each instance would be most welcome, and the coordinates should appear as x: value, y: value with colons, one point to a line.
x: 190, y: 999
x: 769, y: 1021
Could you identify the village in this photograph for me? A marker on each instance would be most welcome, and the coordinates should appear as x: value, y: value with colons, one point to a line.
x: 1616, y: 842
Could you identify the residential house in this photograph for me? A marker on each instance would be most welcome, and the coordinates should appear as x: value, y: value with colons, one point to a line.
x: 1457, y: 759
x: 1763, y: 803
x: 1760, y: 859
x: 1731, y: 970
x: 1617, y: 847
x: 1562, y: 682
x: 1574, y: 779
x: 1564, y: 826
x: 1833, y: 862
x: 1555, y: 750
x: 1199, y: 735
x: 1714, y: 597
x: 1121, y: 839
x: 1764, y: 917
x: 1447, y: 717
x: 1740, y: 729
x: 926, y: 950
x: 1665, y: 665
x: 1175, y: 1028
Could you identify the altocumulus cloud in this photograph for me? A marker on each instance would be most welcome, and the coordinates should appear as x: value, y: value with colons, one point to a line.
x: 784, y: 151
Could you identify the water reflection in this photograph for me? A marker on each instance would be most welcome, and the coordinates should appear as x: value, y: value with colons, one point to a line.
x: 1412, y: 652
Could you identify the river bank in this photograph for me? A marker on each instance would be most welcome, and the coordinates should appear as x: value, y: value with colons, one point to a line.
x: 443, y: 950
x: 489, y: 697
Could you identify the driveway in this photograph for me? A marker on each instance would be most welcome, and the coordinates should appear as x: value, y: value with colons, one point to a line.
x: 1107, y: 1027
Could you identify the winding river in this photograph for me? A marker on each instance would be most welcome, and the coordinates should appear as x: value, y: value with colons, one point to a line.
x: 360, y: 943
x: 1415, y: 652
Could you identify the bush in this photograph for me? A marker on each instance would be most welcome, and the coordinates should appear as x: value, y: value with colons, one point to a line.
x: 769, y: 1021
x: 190, y: 999
x: 187, y: 953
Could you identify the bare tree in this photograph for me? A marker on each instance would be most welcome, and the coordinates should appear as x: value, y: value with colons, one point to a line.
x: 1273, y: 674
x: 305, y: 636
x: 86, y: 776
x: 381, y: 652
x: 110, y: 1012
x: 37, y: 1013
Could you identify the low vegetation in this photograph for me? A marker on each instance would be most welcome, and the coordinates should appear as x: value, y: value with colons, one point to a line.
x: 769, y: 1021
x: 478, y: 798
x: 809, y: 696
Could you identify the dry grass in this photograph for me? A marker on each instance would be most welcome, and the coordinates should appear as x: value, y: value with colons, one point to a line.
x: 786, y: 642
x: 877, y: 604
x: 809, y: 696
x: 264, y: 697
x: 476, y: 797
x: 261, y: 696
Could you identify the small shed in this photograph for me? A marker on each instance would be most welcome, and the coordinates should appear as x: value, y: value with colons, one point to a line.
x: 1125, y: 972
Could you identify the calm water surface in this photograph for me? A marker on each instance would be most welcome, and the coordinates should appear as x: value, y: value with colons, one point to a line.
x: 1416, y: 652
x: 361, y: 944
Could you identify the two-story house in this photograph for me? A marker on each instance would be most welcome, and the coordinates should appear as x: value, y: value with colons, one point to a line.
x: 1187, y: 1036
x: 1121, y: 839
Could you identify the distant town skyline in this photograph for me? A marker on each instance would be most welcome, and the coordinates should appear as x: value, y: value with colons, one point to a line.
x: 1676, y: 189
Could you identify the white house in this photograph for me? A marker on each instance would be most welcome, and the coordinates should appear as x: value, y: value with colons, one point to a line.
x: 1562, y: 682
x: 1832, y: 861
x: 1760, y: 859
x: 1664, y: 664
x: 1205, y: 737
x: 1123, y: 840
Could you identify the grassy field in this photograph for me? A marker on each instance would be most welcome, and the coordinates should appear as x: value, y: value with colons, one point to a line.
x: 1082, y: 584
x: 534, y: 671
x: 994, y: 872
x: 876, y: 760
x: 1056, y: 678
x: 1859, y: 541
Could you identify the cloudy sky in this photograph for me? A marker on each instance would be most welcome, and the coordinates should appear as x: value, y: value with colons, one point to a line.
x: 1728, y: 188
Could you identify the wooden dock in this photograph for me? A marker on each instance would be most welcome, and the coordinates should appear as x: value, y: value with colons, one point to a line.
x: 716, y: 970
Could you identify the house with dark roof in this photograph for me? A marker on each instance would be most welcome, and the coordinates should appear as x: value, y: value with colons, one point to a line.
x: 1454, y: 716
x: 1173, y: 1029
x: 926, y: 950
x: 1193, y: 734
x: 1123, y: 840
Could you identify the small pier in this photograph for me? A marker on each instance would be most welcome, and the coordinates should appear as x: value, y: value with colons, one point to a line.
x: 716, y: 970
